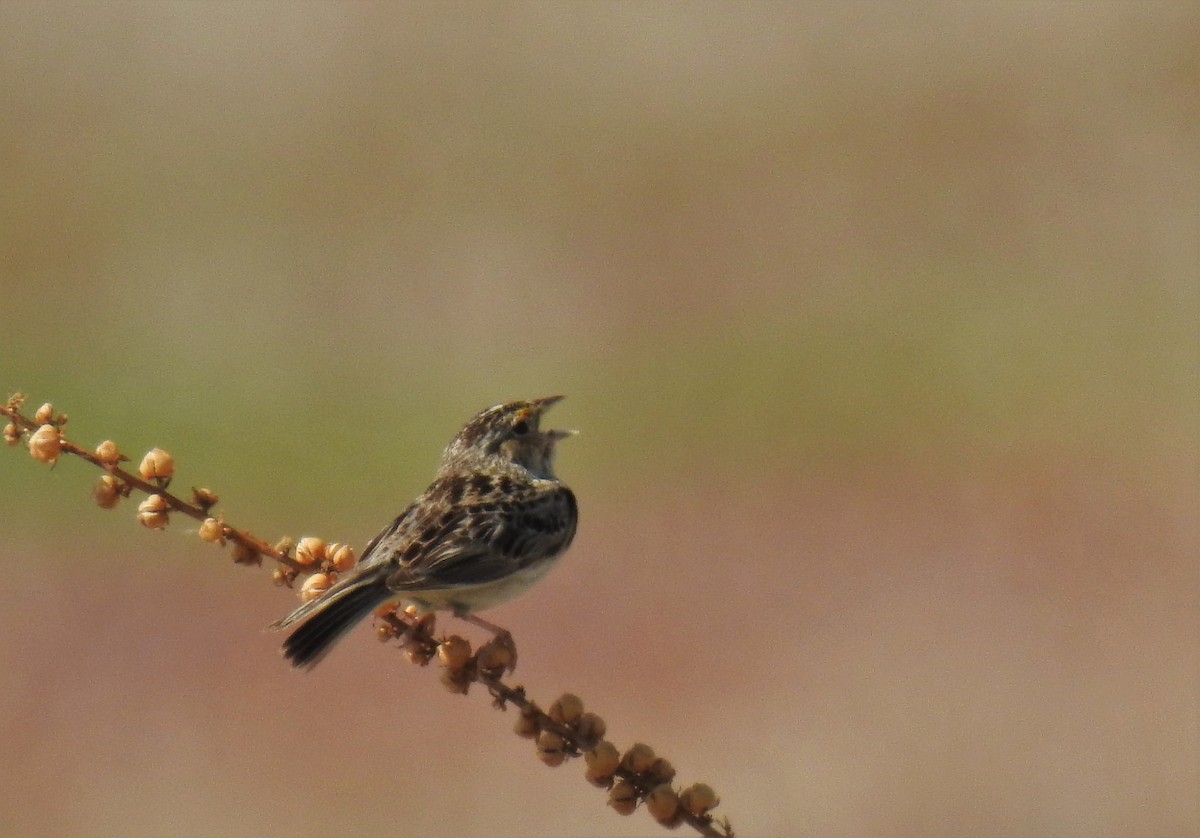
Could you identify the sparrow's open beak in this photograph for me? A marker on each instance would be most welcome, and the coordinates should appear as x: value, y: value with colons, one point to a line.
x: 541, y: 406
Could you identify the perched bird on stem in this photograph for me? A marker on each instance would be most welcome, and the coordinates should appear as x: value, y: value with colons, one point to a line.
x: 492, y: 523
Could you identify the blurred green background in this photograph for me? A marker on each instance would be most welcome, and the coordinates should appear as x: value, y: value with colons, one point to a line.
x: 879, y: 321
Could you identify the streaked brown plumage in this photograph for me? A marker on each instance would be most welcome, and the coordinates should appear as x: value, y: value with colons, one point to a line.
x: 491, y: 524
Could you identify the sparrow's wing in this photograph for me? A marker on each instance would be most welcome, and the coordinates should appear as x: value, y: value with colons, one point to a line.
x: 388, y: 536
x: 482, y: 540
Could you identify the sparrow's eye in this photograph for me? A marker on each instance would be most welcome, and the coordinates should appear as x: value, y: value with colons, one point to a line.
x: 521, y: 428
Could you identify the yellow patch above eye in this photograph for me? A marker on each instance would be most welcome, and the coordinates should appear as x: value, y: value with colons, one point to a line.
x: 523, y: 421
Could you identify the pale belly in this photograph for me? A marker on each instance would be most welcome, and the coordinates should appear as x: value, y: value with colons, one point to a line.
x: 467, y: 599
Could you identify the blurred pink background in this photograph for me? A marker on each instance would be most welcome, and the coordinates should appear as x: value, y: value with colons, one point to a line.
x: 879, y: 321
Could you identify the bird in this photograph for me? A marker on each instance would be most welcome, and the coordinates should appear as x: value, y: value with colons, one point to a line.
x: 492, y: 523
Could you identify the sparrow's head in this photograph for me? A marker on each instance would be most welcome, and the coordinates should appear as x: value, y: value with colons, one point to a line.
x: 508, y: 432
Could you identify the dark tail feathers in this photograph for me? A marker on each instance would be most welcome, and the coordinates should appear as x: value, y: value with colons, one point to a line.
x: 330, y: 620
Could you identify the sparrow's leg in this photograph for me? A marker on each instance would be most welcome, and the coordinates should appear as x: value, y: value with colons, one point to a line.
x: 503, y: 637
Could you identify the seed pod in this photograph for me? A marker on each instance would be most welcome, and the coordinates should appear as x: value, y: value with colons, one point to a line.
x: 623, y: 797
x: 212, y: 531
x: 310, y: 551
x: 106, y: 492
x: 663, y: 804
x: 245, y: 554
x: 314, y: 586
x: 567, y: 709
x: 456, y: 681
x: 157, y: 465
x: 591, y: 728
x: 44, y: 414
x: 152, y: 512
x: 638, y: 758
x: 699, y: 798
x: 526, y: 725
x: 454, y: 652
x: 107, y: 453
x: 551, y: 748
x: 494, y: 657
x: 341, y: 556
x: 661, y: 771
x: 204, y: 498
x: 45, y: 444
x: 421, y: 652
x: 602, y: 762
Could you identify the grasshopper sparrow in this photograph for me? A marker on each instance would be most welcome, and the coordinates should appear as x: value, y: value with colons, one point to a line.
x: 491, y: 524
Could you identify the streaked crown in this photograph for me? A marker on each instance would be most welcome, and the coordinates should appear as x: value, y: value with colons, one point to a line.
x: 509, y: 432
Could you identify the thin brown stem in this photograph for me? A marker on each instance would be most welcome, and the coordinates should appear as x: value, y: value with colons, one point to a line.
x: 175, y: 502
x: 504, y: 694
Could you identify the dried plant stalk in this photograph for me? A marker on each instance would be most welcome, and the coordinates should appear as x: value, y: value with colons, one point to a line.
x: 637, y: 777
